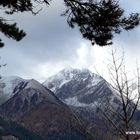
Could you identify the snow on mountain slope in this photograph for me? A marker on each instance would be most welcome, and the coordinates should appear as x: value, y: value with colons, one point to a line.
x: 25, y: 98
x: 39, y: 110
x: 8, y: 85
x: 86, y: 94
x: 67, y: 75
x: 81, y: 88
x: 39, y: 89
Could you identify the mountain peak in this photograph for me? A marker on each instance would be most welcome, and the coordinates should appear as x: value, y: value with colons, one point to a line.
x: 68, y: 75
x: 7, y: 86
x: 81, y: 88
x: 72, y: 73
x: 34, y: 84
x: 73, y: 70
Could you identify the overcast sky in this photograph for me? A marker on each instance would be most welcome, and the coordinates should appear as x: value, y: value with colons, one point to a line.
x: 50, y: 45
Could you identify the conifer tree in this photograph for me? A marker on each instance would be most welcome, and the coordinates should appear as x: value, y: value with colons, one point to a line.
x: 97, y: 20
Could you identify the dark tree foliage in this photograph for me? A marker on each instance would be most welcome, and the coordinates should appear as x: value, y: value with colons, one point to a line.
x: 98, y: 20
x: 9, y: 128
x: 10, y: 7
x: 10, y: 31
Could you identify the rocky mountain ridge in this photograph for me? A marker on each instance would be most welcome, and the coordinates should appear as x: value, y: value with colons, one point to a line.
x: 8, y: 85
x: 82, y: 88
x: 84, y: 92
x: 87, y: 94
x: 39, y: 110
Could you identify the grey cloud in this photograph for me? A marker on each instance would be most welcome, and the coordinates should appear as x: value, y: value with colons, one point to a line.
x: 50, y: 41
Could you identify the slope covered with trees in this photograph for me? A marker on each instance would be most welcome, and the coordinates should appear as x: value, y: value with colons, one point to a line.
x: 14, y: 131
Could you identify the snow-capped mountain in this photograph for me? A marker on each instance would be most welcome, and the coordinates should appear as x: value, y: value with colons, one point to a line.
x: 67, y: 75
x: 39, y: 110
x: 26, y: 96
x: 81, y: 88
x: 8, y: 85
x: 87, y: 94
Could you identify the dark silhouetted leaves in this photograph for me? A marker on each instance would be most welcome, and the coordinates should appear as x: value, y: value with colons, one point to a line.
x: 11, y: 31
x: 98, y: 21
x: 10, y: 7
